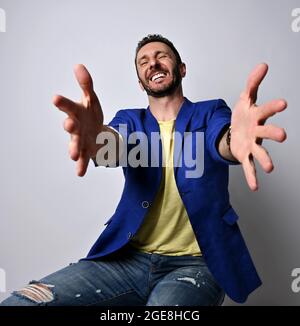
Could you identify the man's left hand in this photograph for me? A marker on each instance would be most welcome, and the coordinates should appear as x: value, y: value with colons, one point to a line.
x: 248, y: 129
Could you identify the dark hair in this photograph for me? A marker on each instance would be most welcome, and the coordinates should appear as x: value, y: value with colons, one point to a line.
x: 157, y: 38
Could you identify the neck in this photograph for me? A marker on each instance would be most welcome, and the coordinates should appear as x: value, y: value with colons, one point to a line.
x: 167, y: 107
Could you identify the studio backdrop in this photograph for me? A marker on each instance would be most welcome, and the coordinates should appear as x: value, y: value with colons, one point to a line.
x: 49, y: 216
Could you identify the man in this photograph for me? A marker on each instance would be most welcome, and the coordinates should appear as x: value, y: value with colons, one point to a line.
x: 173, y: 239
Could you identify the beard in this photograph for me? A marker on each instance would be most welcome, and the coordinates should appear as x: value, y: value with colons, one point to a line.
x: 168, y: 89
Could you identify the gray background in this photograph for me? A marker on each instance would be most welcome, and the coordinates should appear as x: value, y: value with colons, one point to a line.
x: 49, y: 216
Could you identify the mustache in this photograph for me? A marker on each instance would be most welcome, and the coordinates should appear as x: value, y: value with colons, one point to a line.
x: 167, y: 91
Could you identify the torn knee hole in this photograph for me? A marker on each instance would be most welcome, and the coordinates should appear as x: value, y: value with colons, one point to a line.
x: 37, y: 292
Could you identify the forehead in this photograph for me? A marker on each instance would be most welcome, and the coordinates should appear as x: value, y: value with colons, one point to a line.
x: 152, y: 48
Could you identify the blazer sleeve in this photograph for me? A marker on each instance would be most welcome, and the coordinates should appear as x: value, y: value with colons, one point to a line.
x: 219, y: 120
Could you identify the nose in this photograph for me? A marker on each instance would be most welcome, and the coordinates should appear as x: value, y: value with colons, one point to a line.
x: 154, y: 63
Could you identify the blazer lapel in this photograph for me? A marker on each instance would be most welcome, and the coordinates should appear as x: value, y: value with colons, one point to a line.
x: 181, y: 124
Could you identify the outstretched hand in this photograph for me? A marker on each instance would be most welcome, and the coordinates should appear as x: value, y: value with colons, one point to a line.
x: 84, y: 121
x: 248, y: 129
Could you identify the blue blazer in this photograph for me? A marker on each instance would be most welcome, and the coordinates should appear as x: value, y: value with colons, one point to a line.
x: 206, y: 198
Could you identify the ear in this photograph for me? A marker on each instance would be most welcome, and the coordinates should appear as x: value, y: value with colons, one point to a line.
x: 141, y: 85
x: 182, y: 70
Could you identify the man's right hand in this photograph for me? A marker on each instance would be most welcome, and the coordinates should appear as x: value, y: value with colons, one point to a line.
x: 84, y: 121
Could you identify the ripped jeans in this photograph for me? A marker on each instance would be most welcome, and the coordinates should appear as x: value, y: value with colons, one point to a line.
x: 125, y: 278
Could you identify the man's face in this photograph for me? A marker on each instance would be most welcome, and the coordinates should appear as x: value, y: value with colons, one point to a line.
x: 158, y: 71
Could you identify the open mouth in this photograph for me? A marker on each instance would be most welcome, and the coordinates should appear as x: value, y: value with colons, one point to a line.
x: 157, y: 77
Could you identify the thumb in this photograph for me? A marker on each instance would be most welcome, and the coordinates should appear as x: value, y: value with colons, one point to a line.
x: 254, y: 80
x: 84, y: 79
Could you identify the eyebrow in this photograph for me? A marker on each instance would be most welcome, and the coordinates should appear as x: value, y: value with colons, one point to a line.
x: 155, y: 54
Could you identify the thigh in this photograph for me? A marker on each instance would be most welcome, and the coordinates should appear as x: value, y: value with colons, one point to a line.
x: 187, y: 286
x: 83, y: 283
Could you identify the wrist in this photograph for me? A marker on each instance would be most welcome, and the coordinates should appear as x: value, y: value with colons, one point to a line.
x: 95, y: 147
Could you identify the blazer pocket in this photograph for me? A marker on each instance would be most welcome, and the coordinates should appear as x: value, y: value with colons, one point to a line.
x: 230, y: 217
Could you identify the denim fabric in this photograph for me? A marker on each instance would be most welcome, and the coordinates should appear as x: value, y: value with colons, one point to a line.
x: 130, y: 278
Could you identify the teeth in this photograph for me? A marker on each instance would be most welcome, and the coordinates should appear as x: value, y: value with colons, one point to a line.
x: 157, y: 76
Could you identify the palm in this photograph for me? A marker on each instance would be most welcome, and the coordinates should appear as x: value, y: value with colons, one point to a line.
x: 248, y: 129
x: 84, y: 121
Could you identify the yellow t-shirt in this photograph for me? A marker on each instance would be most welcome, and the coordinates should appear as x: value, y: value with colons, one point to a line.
x: 167, y: 229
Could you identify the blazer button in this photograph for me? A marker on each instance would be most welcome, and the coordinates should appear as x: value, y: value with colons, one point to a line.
x: 145, y: 204
x: 129, y: 235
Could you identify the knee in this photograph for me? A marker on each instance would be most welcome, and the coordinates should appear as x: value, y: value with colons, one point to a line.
x: 35, y: 293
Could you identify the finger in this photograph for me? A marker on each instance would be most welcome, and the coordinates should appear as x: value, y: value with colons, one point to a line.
x: 71, y: 125
x: 65, y: 105
x: 250, y: 173
x: 267, y: 110
x: 74, y: 147
x: 255, y: 78
x: 82, y: 164
x: 84, y: 79
x: 263, y: 158
x: 270, y: 132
